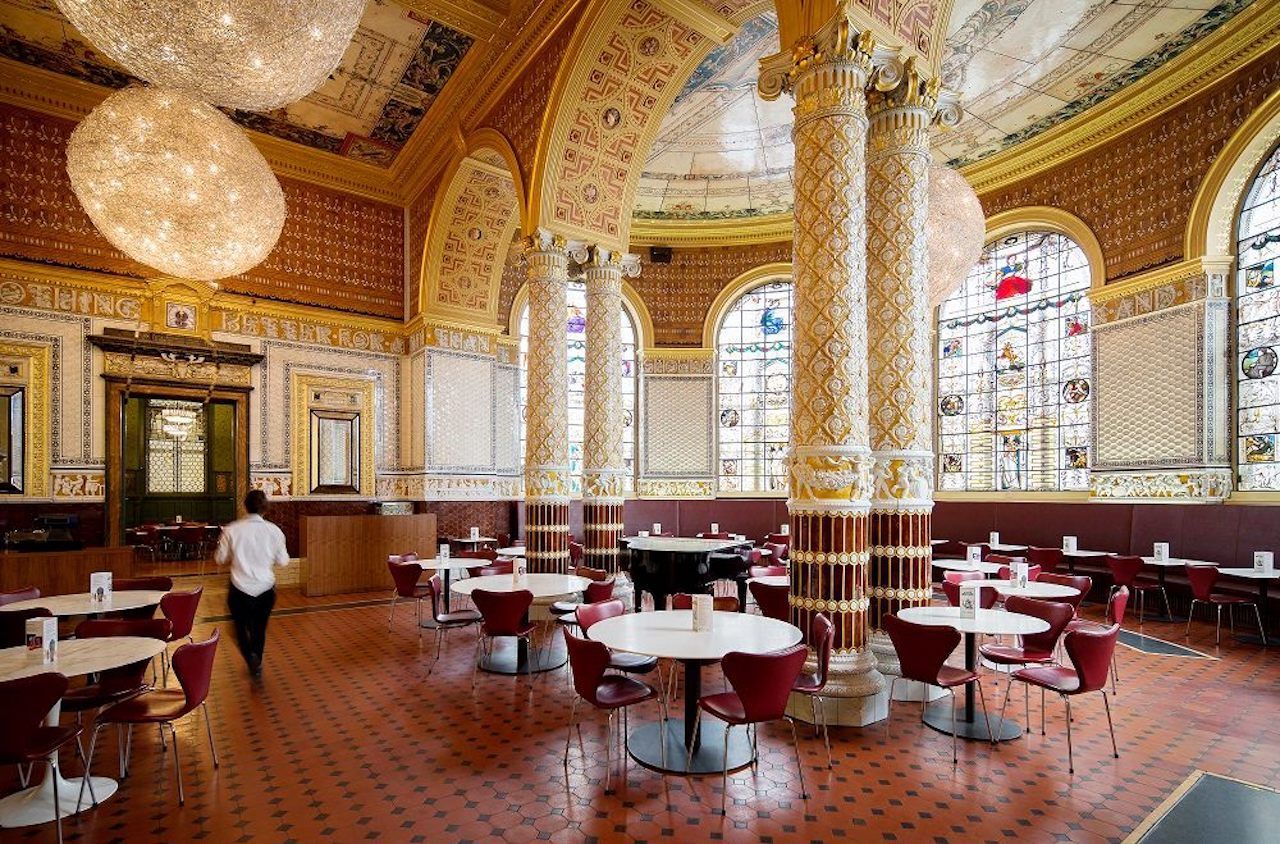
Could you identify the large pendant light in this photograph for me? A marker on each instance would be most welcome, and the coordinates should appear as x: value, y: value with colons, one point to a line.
x: 956, y: 231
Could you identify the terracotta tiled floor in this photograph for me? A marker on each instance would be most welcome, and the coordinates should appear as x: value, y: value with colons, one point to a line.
x: 350, y: 735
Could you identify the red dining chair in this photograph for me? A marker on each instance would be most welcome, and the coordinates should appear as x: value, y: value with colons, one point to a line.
x: 783, y: 539
x: 1126, y: 571
x: 504, y: 539
x: 445, y: 621
x: 1034, y: 648
x: 1202, y: 580
x: 600, y: 589
x: 773, y: 601
x: 1048, y: 559
x: 1116, y: 604
x: 1006, y: 571
x: 777, y: 551
x: 588, y: 662
x: 822, y: 634
x: 576, y: 553
x: 25, y: 740
x: 1090, y: 652
x: 767, y: 571
x: 720, y: 535
x: 13, y: 625
x: 504, y: 614
x: 1082, y: 583
x: 985, y: 546
x: 151, y: 584
x: 26, y: 594
x: 719, y: 603
x: 1004, y: 559
x: 405, y: 577
x: 193, y: 666
x: 951, y: 588
x: 588, y: 614
x: 922, y: 653
x: 761, y: 685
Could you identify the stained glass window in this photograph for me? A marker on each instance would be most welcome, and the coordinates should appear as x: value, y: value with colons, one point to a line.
x: 576, y: 342
x: 1014, y: 379
x: 1258, y: 332
x: 175, y: 446
x: 753, y: 380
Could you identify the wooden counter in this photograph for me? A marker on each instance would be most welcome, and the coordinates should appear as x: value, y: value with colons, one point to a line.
x: 349, y: 553
x: 61, y: 572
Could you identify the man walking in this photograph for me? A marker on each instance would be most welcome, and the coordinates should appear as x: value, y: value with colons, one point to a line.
x: 252, y: 546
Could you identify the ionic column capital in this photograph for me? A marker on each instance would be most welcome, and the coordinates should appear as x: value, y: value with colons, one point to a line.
x: 836, y: 59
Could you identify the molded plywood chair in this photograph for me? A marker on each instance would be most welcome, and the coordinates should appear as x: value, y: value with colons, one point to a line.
x: 1126, y: 571
x: 505, y: 614
x: 25, y: 594
x: 1082, y: 583
x: 445, y: 621
x: 13, y: 625
x: 25, y: 740
x: 951, y: 588
x: 405, y: 577
x: 767, y: 571
x: 1006, y: 570
x: 822, y: 634
x: 1202, y: 580
x: 1048, y: 559
x: 773, y: 601
x: 719, y: 603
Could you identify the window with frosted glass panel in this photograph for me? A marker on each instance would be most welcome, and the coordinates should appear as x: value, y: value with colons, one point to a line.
x: 1014, y: 379
x: 753, y: 388
x: 576, y: 348
x: 175, y: 446
x: 1258, y: 332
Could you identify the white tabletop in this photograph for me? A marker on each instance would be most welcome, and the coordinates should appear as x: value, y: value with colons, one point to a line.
x: 1001, y: 546
x: 79, y: 656
x: 1252, y: 574
x: 939, y: 541
x: 540, y: 584
x: 965, y: 565
x: 1175, y: 562
x: 467, y: 540
x: 1033, y: 589
x: 669, y: 634
x: 772, y: 580
x: 451, y: 564
x: 82, y: 604
x: 764, y: 552
x: 511, y: 551
x: 680, y: 544
x: 1082, y: 553
x: 995, y: 622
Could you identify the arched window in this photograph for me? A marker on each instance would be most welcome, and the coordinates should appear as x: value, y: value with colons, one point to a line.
x: 1258, y: 331
x: 753, y: 383
x: 576, y: 341
x: 1014, y: 379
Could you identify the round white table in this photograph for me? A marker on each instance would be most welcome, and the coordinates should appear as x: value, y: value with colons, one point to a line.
x: 1264, y: 579
x: 1162, y: 567
x: 511, y: 551
x: 1033, y: 589
x: 467, y: 540
x: 772, y: 580
x: 965, y: 565
x: 446, y: 567
x: 669, y: 634
x: 76, y: 657
x: 546, y: 588
x: 82, y: 603
x: 994, y: 622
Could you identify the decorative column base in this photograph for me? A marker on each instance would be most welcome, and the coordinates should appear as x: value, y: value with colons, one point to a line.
x: 901, y: 571
x: 602, y: 528
x: 856, y: 694
x: 546, y: 536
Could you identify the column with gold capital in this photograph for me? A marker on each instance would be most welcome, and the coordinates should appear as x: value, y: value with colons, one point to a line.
x: 830, y: 460
x: 603, y: 467
x: 900, y: 106
x: 546, y: 410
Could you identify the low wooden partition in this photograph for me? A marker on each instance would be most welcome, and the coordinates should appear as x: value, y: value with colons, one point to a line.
x: 61, y: 572
x: 349, y: 553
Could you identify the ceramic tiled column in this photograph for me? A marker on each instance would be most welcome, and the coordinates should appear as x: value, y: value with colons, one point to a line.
x: 603, y: 469
x: 546, y: 459
x: 900, y: 106
x: 830, y: 461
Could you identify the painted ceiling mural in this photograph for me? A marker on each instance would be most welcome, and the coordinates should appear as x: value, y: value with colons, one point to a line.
x: 395, y: 67
x: 1021, y: 67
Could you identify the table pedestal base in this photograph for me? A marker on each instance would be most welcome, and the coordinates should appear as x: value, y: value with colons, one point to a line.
x: 512, y: 657
x: 34, y: 805
x: 645, y: 746
x: 938, y: 716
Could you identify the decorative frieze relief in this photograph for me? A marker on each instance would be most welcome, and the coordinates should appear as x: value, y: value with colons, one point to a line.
x: 1205, y: 485
x: 676, y: 488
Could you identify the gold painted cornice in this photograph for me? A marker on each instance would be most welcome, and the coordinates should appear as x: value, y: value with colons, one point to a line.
x: 746, y: 231
x: 62, y: 96
x: 677, y: 353
x: 692, y: 12
x: 1251, y: 33
x: 1158, y: 277
x: 477, y: 19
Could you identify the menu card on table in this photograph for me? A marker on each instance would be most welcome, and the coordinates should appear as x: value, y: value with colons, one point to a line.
x: 1160, y: 551
x: 42, y: 638
x: 100, y: 586
x: 444, y: 551
x: 703, y: 612
x: 1264, y: 561
x: 1020, y: 574
x: 1068, y: 544
x: 475, y: 534
x: 657, y: 528
x: 993, y: 538
x: 968, y: 599
x: 519, y: 569
x: 715, y: 527
x: 785, y: 528
x: 973, y: 553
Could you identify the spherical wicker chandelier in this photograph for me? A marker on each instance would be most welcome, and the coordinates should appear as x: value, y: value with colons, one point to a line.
x: 175, y: 185
x: 957, y: 231
x: 250, y: 54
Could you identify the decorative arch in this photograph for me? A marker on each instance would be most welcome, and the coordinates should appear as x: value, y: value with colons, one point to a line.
x: 636, y: 308
x: 1215, y: 209
x: 1046, y: 217
x: 733, y: 291
x: 472, y: 225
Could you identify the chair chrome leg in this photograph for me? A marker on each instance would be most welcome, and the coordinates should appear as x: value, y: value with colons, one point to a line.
x: 57, y: 810
x: 608, y: 753
x: 568, y: 733
x: 1042, y: 732
x: 392, y: 614
x: 688, y: 756
x: 795, y: 742
x: 955, y: 742
x: 1008, y: 694
x: 177, y: 765
x: 1217, y: 638
x: 1261, y: 632
x: 1071, y: 761
x: 1191, y: 611
x: 1115, y: 751
x: 888, y: 711
x: 982, y: 698
x: 826, y: 735
x: 1167, y: 611
x: 88, y: 766
x: 662, y: 729
x: 208, y: 728
x: 724, y: 771
x: 1026, y: 700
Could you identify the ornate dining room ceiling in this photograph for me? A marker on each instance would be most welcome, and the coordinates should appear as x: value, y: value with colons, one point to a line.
x: 1020, y: 66
x: 396, y: 65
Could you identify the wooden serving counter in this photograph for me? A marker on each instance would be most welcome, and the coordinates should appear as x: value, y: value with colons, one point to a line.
x: 349, y: 553
x: 61, y: 572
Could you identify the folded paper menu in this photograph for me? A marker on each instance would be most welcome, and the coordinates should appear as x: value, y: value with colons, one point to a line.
x: 703, y: 612
x: 968, y: 599
x: 100, y: 586
x: 1160, y: 551
x: 1068, y: 543
x: 42, y: 638
x: 1263, y: 561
